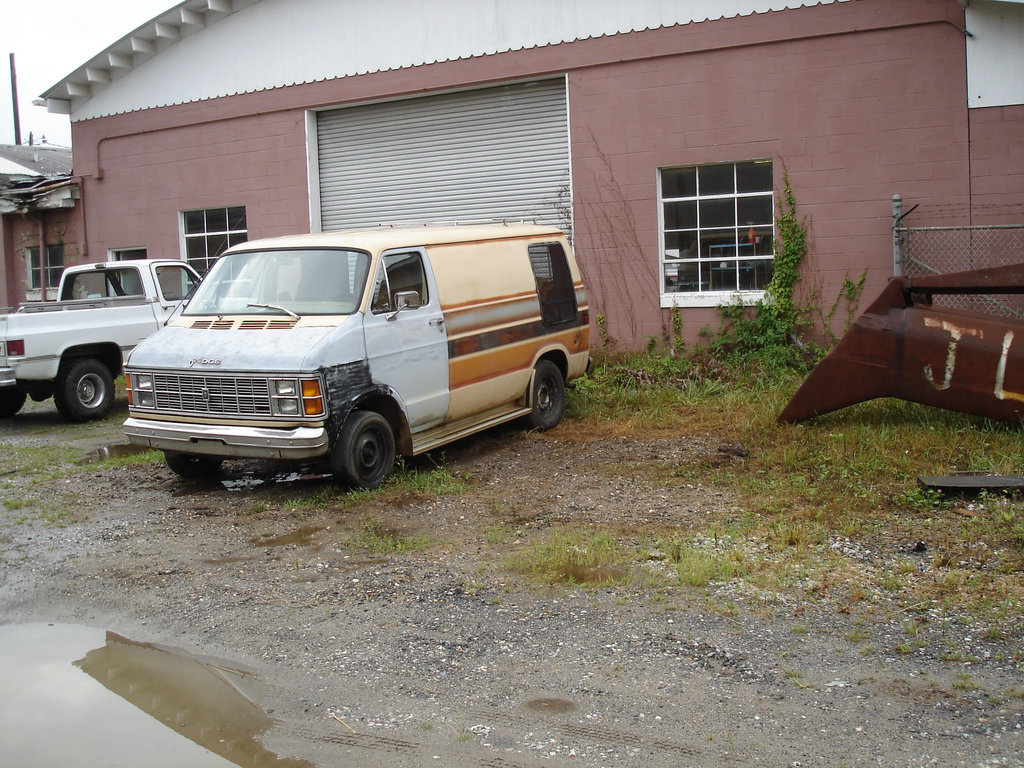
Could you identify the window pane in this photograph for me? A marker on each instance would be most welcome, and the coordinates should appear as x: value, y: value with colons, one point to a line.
x: 681, y: 215
x: 236, y: 217
x: 680, y: 245
x: 195, y: 222
x: 754, y: 177
x: 723, y: 276
x: 679, y: 182
x: 195, y: 250
x: 217, y: 220
x: 718, y: 243
x: 716, y: 180
x: 237, y: 237
x: 717, y: 213
x: 754, y: 210
x: 216, y: 245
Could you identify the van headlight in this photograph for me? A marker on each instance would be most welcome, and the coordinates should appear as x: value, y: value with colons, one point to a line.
x: 297, y: 397
x: 140, y: 391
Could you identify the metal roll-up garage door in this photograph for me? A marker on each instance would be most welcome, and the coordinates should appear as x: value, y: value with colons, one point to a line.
x: 495, y: 153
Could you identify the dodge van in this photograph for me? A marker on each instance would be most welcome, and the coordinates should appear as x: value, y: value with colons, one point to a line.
x: 357, y: 346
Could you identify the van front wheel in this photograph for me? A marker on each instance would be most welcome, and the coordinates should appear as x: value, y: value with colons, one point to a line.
x: 192, y: 466
x: 547, y: 396
x: 365, y: 452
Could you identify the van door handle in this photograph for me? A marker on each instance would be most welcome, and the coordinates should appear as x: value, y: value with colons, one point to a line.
x: 437, y: 322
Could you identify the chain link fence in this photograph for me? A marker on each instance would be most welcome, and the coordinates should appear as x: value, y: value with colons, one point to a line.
x: 921, y: 251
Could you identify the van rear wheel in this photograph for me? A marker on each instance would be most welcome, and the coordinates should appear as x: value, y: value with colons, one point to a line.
x: 547, y: 396
x: 365, y: 453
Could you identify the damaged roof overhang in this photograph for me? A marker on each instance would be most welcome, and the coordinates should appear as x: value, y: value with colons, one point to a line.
x: 38, y: 194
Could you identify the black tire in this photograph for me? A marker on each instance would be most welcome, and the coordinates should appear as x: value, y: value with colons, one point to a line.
x: 365, y: 452
x: 547, y: 396
x: 11, y: 400
x: 84, y: 390
x: 192, y: 466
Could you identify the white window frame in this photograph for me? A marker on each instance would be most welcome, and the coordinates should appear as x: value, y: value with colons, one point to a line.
x: 232, y: 236
x: 710, y: 298
x: 53, y: 272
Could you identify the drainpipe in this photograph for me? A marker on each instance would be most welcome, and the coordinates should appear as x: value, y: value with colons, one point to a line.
x: 42, y: 256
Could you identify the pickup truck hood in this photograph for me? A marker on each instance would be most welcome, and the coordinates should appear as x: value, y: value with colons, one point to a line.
x: 300, y: 349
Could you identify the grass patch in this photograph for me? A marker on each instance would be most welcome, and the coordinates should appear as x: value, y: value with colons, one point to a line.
x: 375, y: 535
x: 845, y: 476
x: 574, y: 556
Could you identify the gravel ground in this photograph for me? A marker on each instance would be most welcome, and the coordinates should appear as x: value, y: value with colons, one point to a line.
x: 445, y: 657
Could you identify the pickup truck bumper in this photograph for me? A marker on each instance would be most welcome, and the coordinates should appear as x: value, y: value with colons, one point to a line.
x: 7, y: 377
x: 232, y: 442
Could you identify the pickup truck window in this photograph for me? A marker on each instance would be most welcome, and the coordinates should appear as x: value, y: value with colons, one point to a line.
x: 322, y: 281
x: 103, y: 283
x: 175, y: 282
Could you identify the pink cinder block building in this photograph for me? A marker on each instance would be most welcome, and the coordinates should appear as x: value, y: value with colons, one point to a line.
x: 659, y: 135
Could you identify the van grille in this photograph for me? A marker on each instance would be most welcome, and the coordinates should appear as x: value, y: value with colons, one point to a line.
x: 212, y: 394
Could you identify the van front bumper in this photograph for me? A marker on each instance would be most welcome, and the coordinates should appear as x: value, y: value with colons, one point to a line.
x: 228, y: 441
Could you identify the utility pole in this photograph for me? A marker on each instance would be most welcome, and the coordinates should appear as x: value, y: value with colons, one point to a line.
x: 14, y: 101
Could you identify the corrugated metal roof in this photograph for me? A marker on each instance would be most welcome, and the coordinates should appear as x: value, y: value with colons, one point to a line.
x: 202, y: 49
x: 34, y: 160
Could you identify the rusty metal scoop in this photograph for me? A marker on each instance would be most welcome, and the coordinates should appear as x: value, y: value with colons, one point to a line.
x: 903, y: 346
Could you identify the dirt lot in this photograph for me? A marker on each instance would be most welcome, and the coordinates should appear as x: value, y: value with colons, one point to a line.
x: 444, y: 656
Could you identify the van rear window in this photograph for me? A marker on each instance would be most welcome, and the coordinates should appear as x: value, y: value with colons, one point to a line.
x: 554, y: 283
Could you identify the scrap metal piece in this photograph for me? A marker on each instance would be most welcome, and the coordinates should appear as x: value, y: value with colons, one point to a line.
x: 972, y: 482
x: 904, y: 347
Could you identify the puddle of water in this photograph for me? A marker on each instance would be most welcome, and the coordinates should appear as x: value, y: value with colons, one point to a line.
x: 122, y: 700
x: 113, y: 452
x: 550, y: 705
x: 249, y: 482
x: 303, y: 537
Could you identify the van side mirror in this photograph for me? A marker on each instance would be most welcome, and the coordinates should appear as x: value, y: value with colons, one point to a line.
x: 405, y: 300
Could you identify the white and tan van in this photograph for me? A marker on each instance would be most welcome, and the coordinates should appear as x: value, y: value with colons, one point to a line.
x: 355, y: 346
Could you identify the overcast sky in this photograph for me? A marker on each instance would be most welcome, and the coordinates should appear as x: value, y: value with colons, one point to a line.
x: 50, y: 39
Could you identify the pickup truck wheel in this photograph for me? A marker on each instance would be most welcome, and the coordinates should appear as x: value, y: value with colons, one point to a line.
x: 192, y: 466
x: 365, y: 453
x: 547, y: 396
x: 84, y: 391
x: 11, y: 401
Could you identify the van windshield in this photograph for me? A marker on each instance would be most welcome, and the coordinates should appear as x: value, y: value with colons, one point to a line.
x: 321, y: 281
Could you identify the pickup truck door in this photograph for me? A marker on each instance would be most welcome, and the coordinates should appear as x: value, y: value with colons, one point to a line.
x: 406, y: 341
x: 173, y: 283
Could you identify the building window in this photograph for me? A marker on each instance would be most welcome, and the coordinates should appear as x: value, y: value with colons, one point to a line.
x: 127, y: 254
x: 50, y: 271
x: 717, y: 229
x: 210, y: 232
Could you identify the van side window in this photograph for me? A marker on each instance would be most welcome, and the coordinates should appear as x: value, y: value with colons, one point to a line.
x: 399, y: 272
x: 554, y: 283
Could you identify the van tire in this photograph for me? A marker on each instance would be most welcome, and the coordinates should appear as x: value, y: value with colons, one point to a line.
x: 11, y: 400
x: 547, y: 396
x: 84, y: 390
x: 190, y: 466
x: 365, y: 452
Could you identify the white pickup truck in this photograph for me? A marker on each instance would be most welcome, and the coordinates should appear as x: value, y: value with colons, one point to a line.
x: 73, y: 349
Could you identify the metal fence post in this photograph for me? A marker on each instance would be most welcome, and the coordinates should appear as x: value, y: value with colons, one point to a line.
x: 897, y: 235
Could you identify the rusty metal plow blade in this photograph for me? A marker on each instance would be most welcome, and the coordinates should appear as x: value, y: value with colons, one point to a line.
x: 903, y: 346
